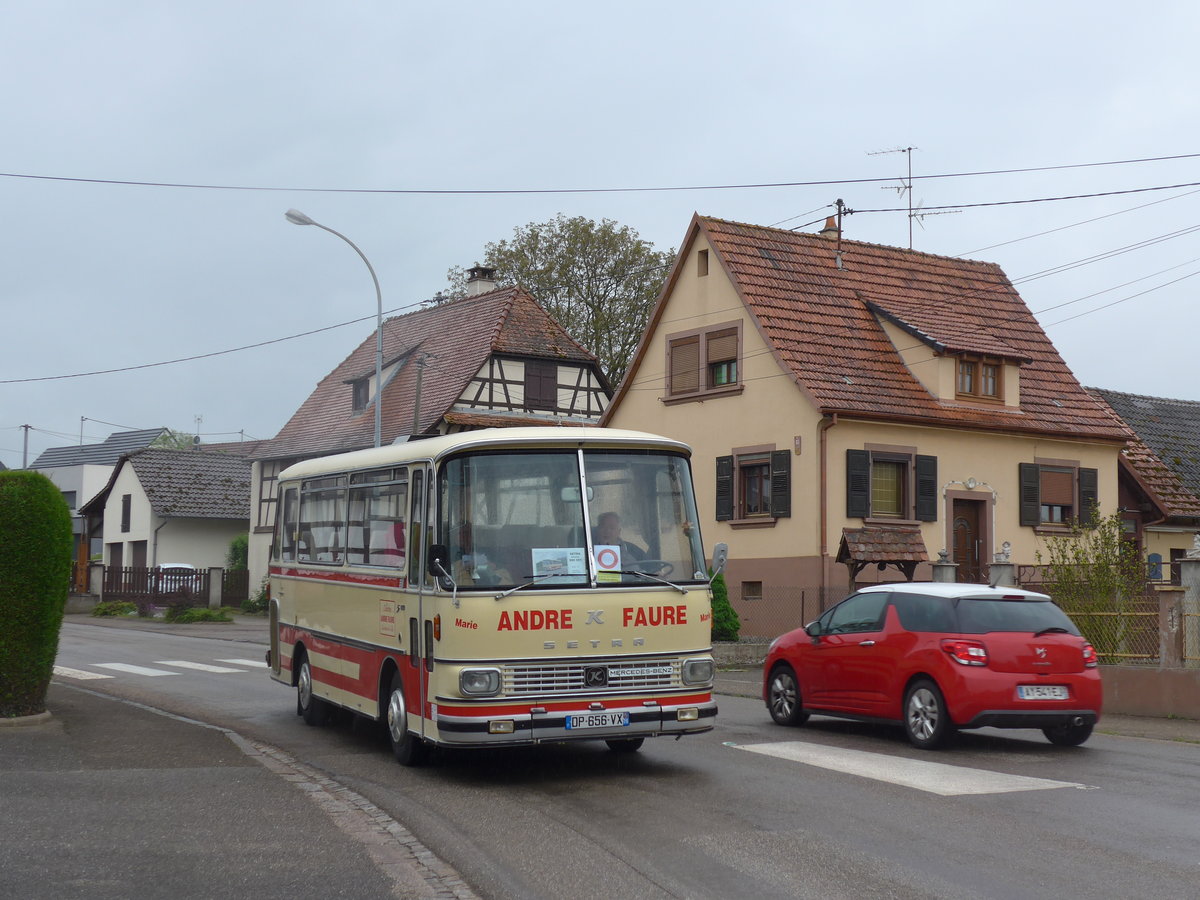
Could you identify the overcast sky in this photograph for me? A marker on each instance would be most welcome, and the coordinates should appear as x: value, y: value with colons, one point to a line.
x: 297, y: 104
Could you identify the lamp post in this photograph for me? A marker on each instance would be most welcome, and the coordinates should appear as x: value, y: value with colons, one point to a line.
x: 298, y: 218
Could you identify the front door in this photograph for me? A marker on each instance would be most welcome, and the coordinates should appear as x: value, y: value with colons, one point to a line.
x: 968, y: 541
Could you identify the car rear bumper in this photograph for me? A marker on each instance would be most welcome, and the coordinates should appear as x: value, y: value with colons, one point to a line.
x: 1032, y: 718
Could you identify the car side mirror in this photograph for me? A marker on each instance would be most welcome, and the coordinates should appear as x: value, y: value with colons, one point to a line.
x: 813, y: 629
x: 438, y: 561
x: 719, y: 558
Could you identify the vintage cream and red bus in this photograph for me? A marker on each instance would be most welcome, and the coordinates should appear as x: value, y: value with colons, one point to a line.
x: 497, y: 587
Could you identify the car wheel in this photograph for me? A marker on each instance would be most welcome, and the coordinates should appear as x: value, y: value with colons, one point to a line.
x: 926, y: 721
x: 783, y: 697
x: 312, y: 708
x: 407, y: 747
x: 1069, y: 735
x: 625, y: 745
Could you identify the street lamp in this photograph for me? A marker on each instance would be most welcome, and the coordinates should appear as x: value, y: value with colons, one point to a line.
x: 298, y: 218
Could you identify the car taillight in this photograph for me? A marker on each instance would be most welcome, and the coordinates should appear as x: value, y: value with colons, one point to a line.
x: 1089, y: 657
x: 966, y: 653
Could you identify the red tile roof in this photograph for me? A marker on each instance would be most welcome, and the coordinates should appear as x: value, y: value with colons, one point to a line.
x: 813, y: 304
x: 882, y: 543
x: 450, y: 342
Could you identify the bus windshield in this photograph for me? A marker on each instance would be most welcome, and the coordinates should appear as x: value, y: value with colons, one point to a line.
x: 570, y: 518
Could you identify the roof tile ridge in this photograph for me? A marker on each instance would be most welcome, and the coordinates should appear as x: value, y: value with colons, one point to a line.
x: 1110, y: 391
x: 845, y: 242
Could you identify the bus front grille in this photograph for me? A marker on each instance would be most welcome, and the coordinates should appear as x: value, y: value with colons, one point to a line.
x: 593, y: 676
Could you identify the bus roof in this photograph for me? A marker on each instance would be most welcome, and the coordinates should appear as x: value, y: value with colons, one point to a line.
x: 485, y: 438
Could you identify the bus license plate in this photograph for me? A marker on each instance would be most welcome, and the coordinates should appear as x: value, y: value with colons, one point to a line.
x: 598, y: 720
x: 1042, y: 691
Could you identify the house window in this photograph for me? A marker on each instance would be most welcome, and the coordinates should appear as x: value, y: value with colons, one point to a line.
x: 702, y: 263
x: 268, y: 483
x: 360, y: 394
x: 541, y: 385
x: 69, y: 497
x: 126, y: 511
x: 1056, y: 493
x: 754, y: 485
x: 979, y: 378
x: 891, y: 484
x: 703, y: 362
x: 751, y: 590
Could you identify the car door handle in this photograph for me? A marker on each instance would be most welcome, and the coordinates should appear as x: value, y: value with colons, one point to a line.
x: 866, y: 643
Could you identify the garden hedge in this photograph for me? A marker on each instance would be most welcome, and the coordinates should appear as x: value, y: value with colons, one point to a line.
x: 35, y: 571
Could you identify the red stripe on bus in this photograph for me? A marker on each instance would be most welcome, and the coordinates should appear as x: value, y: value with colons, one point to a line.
x: 340, y: 577
x: 453, y: 709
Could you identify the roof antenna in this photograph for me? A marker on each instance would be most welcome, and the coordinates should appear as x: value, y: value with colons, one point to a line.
x: 905, y: 185
x: 841, y: 208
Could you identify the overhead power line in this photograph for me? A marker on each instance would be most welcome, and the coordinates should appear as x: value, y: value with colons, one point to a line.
x: 586, y: 190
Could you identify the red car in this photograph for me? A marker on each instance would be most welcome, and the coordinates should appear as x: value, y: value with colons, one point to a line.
x: 936, y: 658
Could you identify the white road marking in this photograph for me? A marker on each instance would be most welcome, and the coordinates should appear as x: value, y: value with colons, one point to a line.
x: 195, y: 666
x: 134, y: 670
x: 253, y: 663
x: 77, y: 674
x: 933, y: 777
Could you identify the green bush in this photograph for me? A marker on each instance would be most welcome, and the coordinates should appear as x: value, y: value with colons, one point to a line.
x: 725, y: 622
x: 256, y: 603
x: 238, y: 554
x: 115, y: 608
x: 188, y: 615
x: 35, y: 573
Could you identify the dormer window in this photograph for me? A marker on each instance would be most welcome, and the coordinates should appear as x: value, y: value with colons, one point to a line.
x: 360, y: 394
x: 980, y: 378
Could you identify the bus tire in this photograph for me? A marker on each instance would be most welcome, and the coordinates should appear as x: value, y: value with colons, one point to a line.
x: 309, y: 706
x: 407, y: 747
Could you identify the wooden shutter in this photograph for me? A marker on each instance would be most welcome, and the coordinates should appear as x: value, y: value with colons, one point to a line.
x: 1058, y: 487
x: 685, y: 366
x: 724, y: 488
x: 781, y: 483
x: 722, y: 346
x: 858, y: 484
x: 927, y: 488
x: 1030, y: 478
x: 1089, y: 495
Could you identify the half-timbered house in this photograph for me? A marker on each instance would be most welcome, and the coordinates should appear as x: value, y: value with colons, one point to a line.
x: 493, y: 358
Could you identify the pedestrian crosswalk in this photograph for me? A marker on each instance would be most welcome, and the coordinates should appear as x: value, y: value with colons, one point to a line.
x: 159, y: 668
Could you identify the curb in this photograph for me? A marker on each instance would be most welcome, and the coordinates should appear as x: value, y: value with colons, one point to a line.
x: 22, y: 721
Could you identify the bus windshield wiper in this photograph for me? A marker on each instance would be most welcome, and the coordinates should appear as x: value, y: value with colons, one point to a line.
x: 677, y: 587
x: 540, y: 579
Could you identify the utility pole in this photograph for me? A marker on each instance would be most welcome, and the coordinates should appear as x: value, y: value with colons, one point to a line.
x: 25, y: 453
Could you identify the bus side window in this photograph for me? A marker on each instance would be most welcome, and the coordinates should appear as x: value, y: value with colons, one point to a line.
x: 429, y: 645
x: 414, y: 643
x: 415, y: 529
x: 286, y: 527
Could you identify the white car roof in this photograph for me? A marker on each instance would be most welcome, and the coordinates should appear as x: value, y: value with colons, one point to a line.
x: 955, y: 589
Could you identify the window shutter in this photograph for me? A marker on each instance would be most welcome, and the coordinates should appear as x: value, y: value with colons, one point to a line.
x: 685, y: 366
x: 722, y: 346
x: 781, y: 483
x: 724, y: 488
x: 1089, y: 495
x: 858, y: 484
x: 1030, y: 477
x: 927, y: 488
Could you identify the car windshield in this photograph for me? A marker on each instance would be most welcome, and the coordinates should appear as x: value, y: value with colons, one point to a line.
x: 978, y: 616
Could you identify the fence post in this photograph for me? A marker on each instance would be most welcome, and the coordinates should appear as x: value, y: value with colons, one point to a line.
x: 96, y: 580
x: 1170, y: 629
x: 215, y: 579
x: 1189, y: 620
x: 944, y: 570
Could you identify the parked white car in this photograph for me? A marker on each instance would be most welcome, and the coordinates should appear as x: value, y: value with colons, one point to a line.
x: 170, y: 578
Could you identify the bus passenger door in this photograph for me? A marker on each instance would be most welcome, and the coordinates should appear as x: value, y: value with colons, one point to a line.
x: 415, y: 673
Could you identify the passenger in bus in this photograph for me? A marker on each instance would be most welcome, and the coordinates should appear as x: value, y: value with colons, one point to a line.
x: 608, y: 532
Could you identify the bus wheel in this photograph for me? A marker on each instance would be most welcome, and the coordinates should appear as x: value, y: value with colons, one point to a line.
x: 314, y: 710
x: 407, y: 747
x: 625, y: 745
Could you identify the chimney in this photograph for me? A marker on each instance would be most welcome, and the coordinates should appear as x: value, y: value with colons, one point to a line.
x: 830, y: 231
x: 480, y: 280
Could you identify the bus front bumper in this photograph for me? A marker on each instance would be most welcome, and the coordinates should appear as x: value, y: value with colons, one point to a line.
x: 507, y: 725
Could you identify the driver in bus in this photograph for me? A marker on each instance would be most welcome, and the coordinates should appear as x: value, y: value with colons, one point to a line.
x: 608, y: 532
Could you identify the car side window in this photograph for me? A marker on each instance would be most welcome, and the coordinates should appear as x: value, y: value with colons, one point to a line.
x: 921, y: 612
x: 859, y: 612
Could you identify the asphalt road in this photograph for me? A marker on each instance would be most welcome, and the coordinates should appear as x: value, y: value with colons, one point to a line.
x: 834, y: 809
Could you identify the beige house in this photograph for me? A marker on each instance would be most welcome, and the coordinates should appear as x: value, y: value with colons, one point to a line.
x: 857, y: 409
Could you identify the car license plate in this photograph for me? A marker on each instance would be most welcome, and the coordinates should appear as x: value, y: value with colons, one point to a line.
x: 598, y: 720
x: 1042, y: 691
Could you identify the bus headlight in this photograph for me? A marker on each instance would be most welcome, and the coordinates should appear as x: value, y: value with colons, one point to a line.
x: 697, y: 671
x: 479, y: 682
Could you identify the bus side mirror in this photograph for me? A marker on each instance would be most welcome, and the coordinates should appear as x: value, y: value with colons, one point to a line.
x: 438, y: 561
x: 719, y: 558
